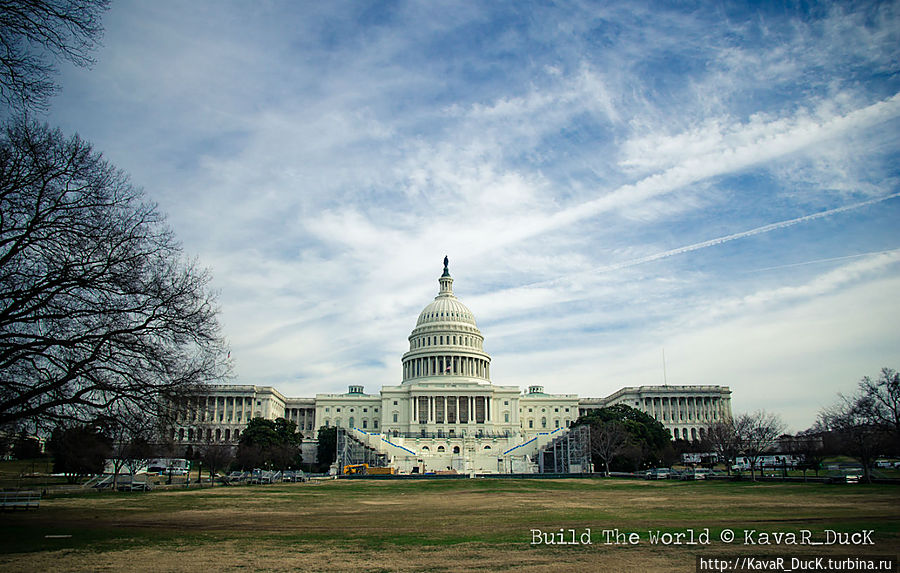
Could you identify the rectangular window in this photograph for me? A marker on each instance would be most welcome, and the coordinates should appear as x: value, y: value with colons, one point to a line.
x: 395, y: 418
x: 530, y: 423
x: 506, y: 417
x: 365, y: 423
x: 375, y: 424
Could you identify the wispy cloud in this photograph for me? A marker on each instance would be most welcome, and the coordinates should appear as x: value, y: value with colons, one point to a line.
x: 601, y: 175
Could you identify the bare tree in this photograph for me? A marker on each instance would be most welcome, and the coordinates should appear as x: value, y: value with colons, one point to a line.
x: 215, y: 456
x: 883, y: 403
x: 130, y: 430
x: 809, y: 446
x: 866, y: 424
x: 857, y: 432
x: 724, y: 437
x: 34, y: 34
x: 758, y: 433
x: 98, y: 307
x: 608, y: 439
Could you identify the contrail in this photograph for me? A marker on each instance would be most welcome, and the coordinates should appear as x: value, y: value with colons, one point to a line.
x: 828, y: 260
x: 742, y: 234
x: 725, y: 239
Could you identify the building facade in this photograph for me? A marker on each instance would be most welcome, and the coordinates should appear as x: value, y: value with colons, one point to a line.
x: 446, y: 413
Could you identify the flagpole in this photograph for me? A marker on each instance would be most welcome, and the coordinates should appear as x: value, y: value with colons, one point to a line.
x: 665, y: 379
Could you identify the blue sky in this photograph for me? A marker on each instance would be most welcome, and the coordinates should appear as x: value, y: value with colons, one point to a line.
x: 710, y: 180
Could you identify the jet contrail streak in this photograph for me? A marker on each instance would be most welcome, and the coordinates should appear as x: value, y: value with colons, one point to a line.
x: 742, y: 234
x: 828, y: 260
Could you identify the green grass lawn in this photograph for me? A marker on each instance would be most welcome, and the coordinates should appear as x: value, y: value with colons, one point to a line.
x: 345, y: 523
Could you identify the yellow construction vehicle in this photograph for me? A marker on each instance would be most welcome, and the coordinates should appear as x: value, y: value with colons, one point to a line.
x: 364, y: 469
x: 356, y: 469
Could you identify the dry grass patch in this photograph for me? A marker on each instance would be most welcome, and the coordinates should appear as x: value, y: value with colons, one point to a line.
x: 459, y: 525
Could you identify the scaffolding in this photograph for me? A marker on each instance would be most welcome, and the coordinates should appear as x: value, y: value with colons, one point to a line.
x: 351, y: 451
x: 569, y: 453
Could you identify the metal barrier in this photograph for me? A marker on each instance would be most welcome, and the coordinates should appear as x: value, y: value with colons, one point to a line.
x: 20, y: 500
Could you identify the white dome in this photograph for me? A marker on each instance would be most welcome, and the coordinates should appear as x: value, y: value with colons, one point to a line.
x: 446, y: 341
x: 446, y: 309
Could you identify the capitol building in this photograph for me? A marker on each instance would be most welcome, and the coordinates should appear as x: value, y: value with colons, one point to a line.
x: 445, y: 413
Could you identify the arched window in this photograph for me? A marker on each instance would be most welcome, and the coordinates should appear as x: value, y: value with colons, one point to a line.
x: 544, y: 422
x: 487, y: 447
x: 455, y: 449
x: 227, y: 435
x: 425, y: 449
x: 237, y: 434
x: 440, y: 448
x: 351, y: 425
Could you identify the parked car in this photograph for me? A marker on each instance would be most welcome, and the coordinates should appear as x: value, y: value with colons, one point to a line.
x: 657, y: 473
x: 693, y: 475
